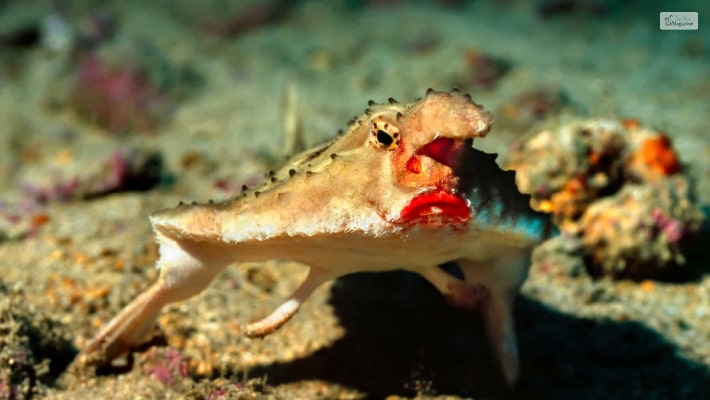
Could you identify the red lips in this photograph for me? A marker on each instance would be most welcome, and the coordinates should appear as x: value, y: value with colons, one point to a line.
x: 436, y: 207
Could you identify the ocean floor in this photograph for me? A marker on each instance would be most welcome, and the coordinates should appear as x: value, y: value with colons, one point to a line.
x: 110, y: 112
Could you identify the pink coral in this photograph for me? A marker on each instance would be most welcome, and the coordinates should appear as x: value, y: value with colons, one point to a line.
x: 118, y: 98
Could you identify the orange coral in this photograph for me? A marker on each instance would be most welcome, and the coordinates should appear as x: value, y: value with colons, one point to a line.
x: 658, y: 154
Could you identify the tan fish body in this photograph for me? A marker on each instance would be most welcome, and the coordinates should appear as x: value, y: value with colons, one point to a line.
x: 388, y: 194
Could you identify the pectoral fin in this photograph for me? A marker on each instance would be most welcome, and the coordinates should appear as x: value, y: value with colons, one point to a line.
x: 288, y: 309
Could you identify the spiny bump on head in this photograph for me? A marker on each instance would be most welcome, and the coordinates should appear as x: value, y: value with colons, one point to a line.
x: 291, y: 172
x: 368, y: 111
x: 429, y: 91
x: 371, y: 103
x: 244, y: 188
x: 455, y: 89
x: 392, y: 100
x: 399, y: 116
x: 310, y: 173
x: 333, y: 156
x: 273, y: 179
x: 256, y: 193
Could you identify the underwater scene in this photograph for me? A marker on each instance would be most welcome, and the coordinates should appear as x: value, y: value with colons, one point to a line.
x: 354, y: 199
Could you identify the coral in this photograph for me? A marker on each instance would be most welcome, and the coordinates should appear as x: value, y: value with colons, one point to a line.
x: 126, y: 85
x: 130, y: 170
x: 618, y: 187
x: 639, y: 231
x: 654, y: 159
x: 118, y: 98
x: 566, y: 168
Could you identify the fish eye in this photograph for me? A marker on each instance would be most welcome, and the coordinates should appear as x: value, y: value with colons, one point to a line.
x: 385, y: 135
x: 384, y: 138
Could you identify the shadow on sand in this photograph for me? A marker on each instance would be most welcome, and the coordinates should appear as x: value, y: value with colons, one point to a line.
x: 402, y: 338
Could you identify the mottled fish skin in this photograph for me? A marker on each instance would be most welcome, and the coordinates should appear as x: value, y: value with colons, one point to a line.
x: 495, y: 201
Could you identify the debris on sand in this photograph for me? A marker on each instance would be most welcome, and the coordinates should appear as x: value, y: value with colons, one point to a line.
x: 34, y: 349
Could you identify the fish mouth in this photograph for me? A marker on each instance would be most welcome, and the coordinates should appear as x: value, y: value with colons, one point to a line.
x: 436, y: 208
x: 444, y: 150
x: 440, y: 205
